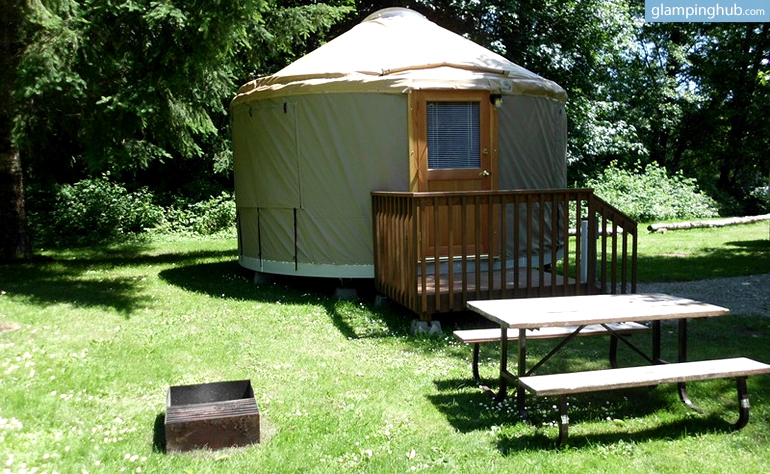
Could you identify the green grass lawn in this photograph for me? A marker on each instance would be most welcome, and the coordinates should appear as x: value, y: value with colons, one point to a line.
x: 697, y: 254
x: 341, y: 386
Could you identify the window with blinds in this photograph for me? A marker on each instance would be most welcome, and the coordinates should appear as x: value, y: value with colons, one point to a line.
x: 453, y: 135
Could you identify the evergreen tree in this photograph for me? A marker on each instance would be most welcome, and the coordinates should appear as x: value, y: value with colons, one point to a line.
x: 14, y: 238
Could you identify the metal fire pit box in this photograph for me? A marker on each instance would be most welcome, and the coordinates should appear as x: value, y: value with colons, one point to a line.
x: 211, y: 415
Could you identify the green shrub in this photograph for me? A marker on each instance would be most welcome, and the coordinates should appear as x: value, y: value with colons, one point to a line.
x: 760, y: 198
x: 97, y: 210
x: 206, y: 217
x: 213, y: 215
x: 652, y: 194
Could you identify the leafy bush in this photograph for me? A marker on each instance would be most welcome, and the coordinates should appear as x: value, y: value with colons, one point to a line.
x: 97, y: 210
x: 653, y: 195
x: 760, y: 197
x: 205, y: 217
x: 215, y: 214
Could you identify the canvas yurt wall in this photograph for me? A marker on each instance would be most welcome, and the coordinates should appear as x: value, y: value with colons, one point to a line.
x: 312, y: 141
x: 304, y: 170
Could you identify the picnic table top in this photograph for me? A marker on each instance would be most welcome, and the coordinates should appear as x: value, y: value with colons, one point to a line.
x: 531, y: 313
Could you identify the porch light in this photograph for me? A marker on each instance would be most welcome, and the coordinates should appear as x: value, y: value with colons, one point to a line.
x: 496, y: 100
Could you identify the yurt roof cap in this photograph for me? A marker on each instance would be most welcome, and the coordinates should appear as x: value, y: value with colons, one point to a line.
x: 394, y: 12
x: 396, y: 50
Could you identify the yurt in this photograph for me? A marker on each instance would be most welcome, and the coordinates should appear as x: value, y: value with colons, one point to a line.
x: 395, y: 104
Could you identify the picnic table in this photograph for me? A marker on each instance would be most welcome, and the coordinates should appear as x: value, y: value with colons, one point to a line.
x: 526, y: 315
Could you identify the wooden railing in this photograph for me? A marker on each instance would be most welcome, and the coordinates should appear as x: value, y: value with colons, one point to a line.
x: 435, y: 251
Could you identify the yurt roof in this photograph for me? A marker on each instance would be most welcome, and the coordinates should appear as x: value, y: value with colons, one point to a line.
x: 394, y: 51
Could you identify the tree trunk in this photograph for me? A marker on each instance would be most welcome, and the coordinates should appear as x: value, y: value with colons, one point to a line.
x: 742, y: 82
x: 14, y: 239
x: 662, y: 227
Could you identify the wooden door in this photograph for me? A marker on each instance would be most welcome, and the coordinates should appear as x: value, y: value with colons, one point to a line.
x: 454, y: 148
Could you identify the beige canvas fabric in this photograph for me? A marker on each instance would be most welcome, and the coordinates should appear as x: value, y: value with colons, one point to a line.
x: 396, y: 51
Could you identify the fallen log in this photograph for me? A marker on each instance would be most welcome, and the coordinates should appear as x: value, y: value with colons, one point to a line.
x: 663, y: 227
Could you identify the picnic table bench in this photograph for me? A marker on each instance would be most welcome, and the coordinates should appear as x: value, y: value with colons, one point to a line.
x: 565, y: 384
x: 566, y: 313
x: 487, y: 335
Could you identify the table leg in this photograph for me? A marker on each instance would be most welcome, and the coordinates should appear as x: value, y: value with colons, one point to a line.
x: 503, y: 389
x: 682, y: 334
x: 563, y: 421
x: 743, y: 403
x: 656, y: 342
x: 522, y: 372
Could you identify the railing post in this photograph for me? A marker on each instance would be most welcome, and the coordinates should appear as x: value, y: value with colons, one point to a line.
x: 591, y: 256
x: 402, y: 238
x: 584, y: 250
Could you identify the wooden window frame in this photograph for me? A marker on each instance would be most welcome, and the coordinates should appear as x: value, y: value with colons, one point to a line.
x: 418, y: 133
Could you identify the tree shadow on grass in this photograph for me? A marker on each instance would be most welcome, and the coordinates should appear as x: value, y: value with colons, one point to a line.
x: 710, y: 337
x: 761, y: 246
x: 390, y: 319
x: 82, y: 280
x: 469, y: 409
x: 738, y: 258
x: 230, y: 280
x: 540, y: 440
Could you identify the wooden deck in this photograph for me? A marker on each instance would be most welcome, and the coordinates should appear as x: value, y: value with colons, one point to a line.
x: 526, y: 232
x: 451, y: 292
x: 526, y: 279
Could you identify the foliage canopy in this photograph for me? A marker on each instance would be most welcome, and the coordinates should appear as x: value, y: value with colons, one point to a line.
x: 122, y: 84
x: 687, y: 96
x: 650, y: 194
x: 140, y: 87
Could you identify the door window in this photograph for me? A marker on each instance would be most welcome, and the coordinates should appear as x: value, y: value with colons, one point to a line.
x: 454, y: 135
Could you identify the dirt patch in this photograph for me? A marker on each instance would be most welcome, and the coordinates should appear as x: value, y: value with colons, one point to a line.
x: 4, y: 327
x: 680, y: 254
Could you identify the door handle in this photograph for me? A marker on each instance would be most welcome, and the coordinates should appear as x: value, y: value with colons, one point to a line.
x: 484, y: 173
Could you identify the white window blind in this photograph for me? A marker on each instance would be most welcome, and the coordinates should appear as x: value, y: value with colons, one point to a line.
x: 453, y: 135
